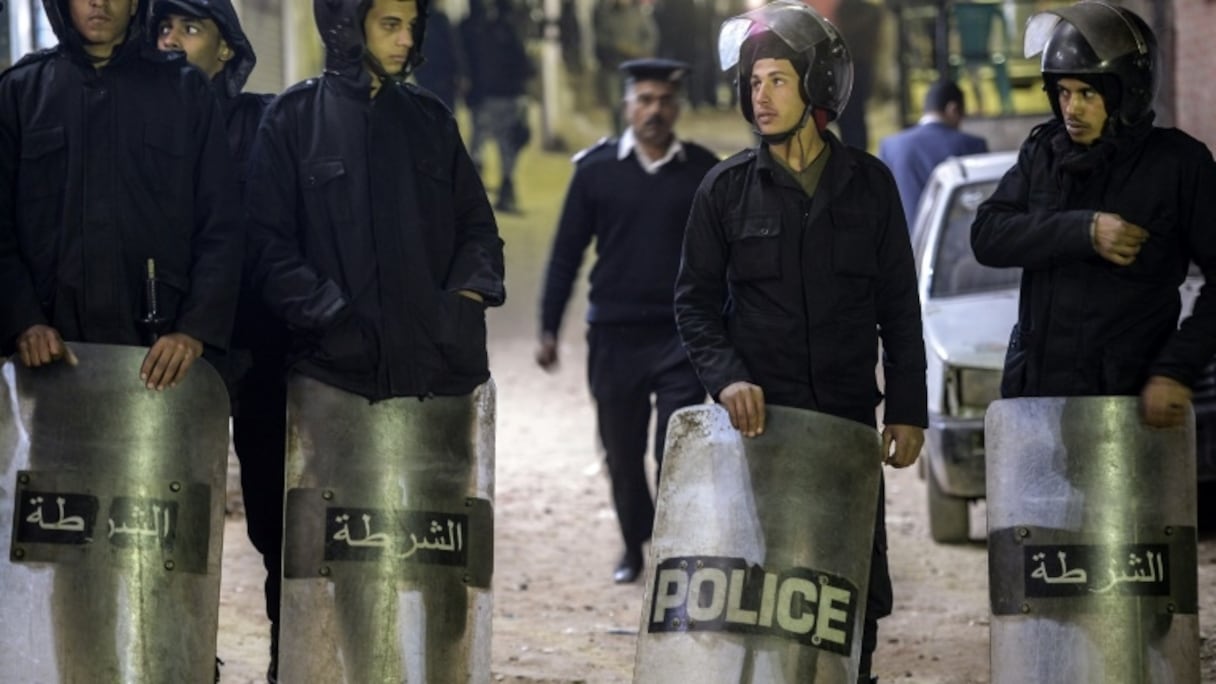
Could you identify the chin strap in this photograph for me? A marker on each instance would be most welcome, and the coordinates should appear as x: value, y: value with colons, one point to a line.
x: 779, y: 138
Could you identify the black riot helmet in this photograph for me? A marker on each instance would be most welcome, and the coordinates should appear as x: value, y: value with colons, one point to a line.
x: 788, y: 29
x: 1097, y: 42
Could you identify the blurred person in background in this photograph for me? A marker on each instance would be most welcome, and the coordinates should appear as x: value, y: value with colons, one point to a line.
x: 631, y: 197
x: 499, y: 70
x: 913, y: 153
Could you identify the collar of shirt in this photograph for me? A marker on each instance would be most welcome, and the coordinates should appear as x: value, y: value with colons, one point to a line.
x: 629, y: 143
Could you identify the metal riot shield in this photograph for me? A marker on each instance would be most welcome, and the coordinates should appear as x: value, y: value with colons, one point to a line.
x: 760, y: 559
x: 389, y: 538
x: 113, y: 496
x: 1091, y: 543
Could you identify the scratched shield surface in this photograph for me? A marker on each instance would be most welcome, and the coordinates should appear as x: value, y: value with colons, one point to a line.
x: 1091, y: 543
x: 388, y: 550
x: 761, y: 552
x: 113, y: 499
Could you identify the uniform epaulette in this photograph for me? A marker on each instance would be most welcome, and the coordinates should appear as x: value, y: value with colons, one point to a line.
x: 427, y: 96
x: 600, y: 144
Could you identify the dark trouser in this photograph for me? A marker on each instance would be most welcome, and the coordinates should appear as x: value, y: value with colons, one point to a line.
x: 880, y: 598
x: 626, y: 365
x: 259, y: 434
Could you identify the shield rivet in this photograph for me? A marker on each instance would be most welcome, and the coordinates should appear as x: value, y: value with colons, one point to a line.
x: 175, y: 486
x: 170, y: 565
x: 328, y: 495
x: 1025, y: 607
x: 324, y: 571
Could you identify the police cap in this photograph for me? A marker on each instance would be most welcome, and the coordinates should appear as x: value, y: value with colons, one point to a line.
x: 654, y: 69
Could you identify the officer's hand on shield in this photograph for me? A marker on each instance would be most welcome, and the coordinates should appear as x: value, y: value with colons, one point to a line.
x: 41, y: 345
x: 546, y: 352
x: 1164, y: 402
x: 168, y: 360
x: 907, y: 441
x: 745, y: 404
x: 1116, y: 240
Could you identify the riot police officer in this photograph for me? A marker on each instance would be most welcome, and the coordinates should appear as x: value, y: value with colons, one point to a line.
x: 797, y: 260
x: 209, y: 33
x: 1103, y: 212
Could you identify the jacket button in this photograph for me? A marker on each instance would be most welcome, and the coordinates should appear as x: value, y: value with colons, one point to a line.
x: 312, y: 180
x: 764, y: 231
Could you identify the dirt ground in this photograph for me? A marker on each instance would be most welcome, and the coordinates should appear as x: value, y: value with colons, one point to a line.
x: 557, y: 615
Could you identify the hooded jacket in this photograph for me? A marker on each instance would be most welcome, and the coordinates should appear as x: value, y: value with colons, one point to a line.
x: 369, y: 217
x: 1085, y: 325
x: 105, y: 169
x: 242, y: 111
x: 256, y: 328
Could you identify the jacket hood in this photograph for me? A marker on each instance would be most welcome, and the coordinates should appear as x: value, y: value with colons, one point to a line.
x: 59, y: 16
x: 236, y: 71
x: 341, y: 25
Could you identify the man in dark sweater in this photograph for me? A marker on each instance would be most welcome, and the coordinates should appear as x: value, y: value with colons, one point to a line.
x: 632, y: 196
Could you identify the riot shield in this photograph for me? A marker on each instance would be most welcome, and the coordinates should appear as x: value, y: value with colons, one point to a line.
x: 1091, y: 543
x: 114, y: 498
x: 760, y: 559
x: 389, y: 540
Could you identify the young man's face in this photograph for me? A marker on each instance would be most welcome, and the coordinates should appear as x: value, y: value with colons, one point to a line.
x: 199, y: 38
x: 388, y: 30
x: 101, y: 23
x: 652, y: 108
x: 1083, y: 109
x: 777, y: 105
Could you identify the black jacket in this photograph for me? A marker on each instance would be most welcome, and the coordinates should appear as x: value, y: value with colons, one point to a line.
x: 792, y: 293
x: 256, y: 328
x: 1086, y: 326
x: 104, y: 170
x: 369, y: 217
x: 637, y: 221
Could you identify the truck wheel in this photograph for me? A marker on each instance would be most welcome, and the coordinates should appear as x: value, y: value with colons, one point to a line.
x: 949, y: 522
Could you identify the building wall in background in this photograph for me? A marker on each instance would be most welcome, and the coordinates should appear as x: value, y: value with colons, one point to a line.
x: 1195, y: 68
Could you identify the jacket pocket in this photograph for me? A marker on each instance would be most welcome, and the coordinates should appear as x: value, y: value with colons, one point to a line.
x: 463, y: 345
x: 347, y: 345
x: 325, y: 192
x: 43, y: 165
x: 755, y: 248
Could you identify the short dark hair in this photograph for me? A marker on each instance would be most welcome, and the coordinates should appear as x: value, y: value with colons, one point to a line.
x: 942, y: 93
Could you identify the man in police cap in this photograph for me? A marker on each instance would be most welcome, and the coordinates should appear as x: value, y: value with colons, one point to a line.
x: 1103, y: 212
x: 209, y: 33
x: 797, y: 261
x: 631, y: 195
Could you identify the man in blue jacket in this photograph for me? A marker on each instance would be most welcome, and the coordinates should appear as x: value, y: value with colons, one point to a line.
x: 912, y: 154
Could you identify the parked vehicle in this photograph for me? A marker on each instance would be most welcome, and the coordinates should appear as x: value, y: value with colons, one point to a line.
x: 969, y: 310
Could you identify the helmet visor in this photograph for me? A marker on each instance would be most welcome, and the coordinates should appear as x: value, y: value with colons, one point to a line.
x: 1107, y: 31
x: 794, y: 23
